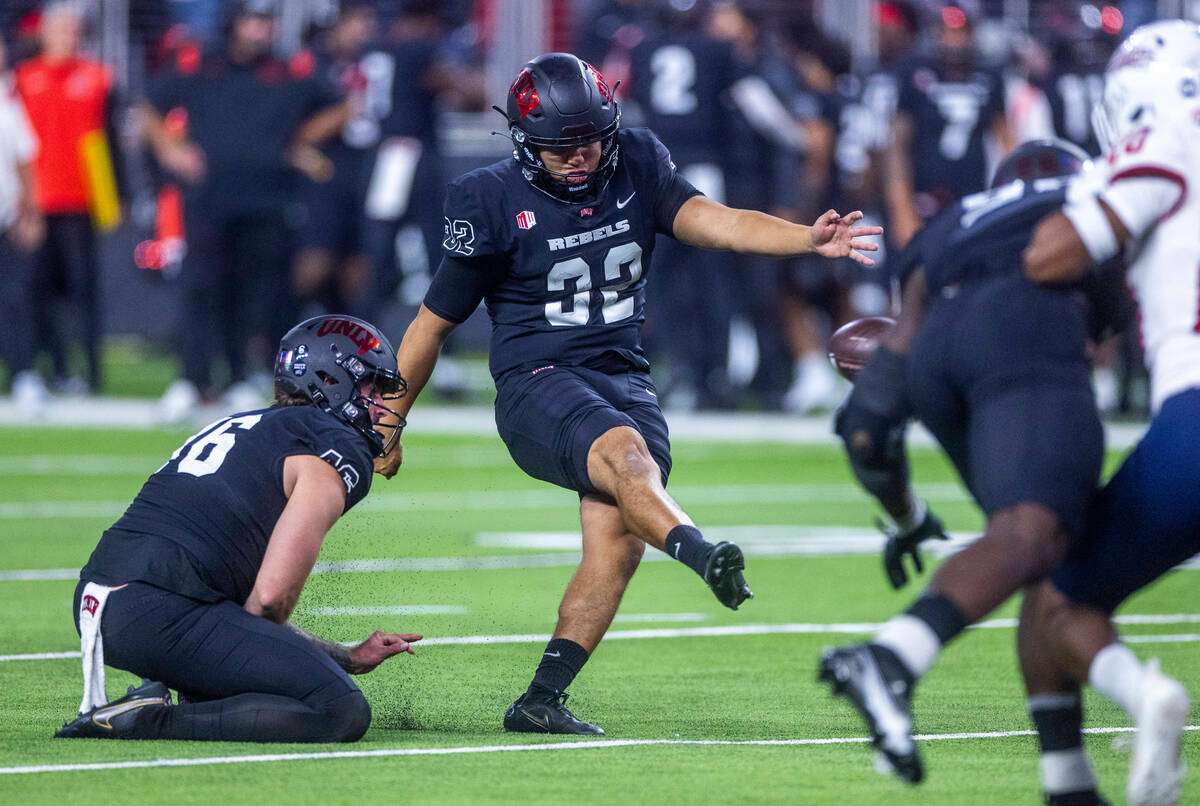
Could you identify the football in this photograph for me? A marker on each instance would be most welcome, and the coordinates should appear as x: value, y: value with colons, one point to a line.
x: 852, y: 344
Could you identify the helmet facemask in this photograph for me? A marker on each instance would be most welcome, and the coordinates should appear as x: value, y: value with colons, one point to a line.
x: 564, y: 187
x: 358, y: 410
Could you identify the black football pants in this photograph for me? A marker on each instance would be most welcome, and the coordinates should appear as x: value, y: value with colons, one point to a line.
x: 248, y: 679
x: 64, y: 269
x: 235, y: 291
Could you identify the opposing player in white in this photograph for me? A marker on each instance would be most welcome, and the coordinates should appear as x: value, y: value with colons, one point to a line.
x: 1142, y: 198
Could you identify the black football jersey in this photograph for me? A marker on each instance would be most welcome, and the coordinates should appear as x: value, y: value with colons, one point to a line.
x: 567, y: 281
x: 679, y: 81
x: 950, y: 119
x: 200, y: 525
x: 412, y: 108
x: 984, y: 235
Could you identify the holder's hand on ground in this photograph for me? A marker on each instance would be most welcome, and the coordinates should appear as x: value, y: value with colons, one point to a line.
x: 900, y: 543
x: 834, y: 235
x: 379, y: 647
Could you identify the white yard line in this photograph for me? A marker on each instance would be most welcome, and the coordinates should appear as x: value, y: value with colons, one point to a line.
x: 728, y: 630
x: 516, y: 748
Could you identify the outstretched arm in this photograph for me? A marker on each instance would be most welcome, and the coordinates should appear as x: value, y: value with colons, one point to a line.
x: 707, y: 224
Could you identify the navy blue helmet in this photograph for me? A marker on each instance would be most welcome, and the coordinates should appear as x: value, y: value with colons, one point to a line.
x: 561, y: 101
x: 1040, y: 159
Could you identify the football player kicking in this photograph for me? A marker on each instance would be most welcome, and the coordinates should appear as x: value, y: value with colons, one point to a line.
x: 1147, y: 518
x: 192, y: 588
x: 557, y: 241
x: 997, y: 368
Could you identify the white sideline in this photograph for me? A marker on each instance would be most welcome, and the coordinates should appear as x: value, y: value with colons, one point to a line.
x: 516, y: 748
x: 836, y: 628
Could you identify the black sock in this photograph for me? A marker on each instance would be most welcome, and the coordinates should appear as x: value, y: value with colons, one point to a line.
x: 1067, y: 777
x: 941, y: 614
x: 686, y: 544
x: 561, y: 661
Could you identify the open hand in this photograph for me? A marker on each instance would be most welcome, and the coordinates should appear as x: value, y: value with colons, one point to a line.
x: 834, y: 235
x: 379, y: 647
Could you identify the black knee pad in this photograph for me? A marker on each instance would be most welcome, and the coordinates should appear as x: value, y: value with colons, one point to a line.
x: 349, y: 717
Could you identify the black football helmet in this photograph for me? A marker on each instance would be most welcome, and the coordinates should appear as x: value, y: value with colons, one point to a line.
x: 559, y: 101
x: 1040, y: 159
x: 326, y: 358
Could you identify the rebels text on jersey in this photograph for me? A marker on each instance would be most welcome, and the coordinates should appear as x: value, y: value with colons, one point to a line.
x: 200, y: 525
x: 564, y: 283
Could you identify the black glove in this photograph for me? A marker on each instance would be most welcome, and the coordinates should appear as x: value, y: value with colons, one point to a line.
x: 900, y: 543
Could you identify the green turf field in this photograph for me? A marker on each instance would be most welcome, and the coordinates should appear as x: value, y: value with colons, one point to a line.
x: 473, y: 548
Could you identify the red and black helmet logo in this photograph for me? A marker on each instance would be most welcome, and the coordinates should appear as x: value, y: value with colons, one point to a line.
x: 601, y: 84
x: 525, y: 92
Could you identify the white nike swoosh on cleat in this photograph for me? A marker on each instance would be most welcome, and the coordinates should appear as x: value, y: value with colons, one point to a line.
x: 622, y: 202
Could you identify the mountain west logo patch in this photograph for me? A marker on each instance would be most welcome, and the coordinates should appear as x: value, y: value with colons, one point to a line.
x: 526, y: 219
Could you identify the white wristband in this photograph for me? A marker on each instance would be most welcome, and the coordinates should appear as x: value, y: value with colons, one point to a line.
x: 1089, y: 220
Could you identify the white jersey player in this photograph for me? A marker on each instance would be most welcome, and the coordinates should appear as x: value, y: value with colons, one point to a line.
x: 1147, y: 518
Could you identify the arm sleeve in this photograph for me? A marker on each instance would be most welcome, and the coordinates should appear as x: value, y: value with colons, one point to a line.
x: 460, y: 284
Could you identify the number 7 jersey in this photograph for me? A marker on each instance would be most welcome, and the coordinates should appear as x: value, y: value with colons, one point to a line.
x: 564, y: 283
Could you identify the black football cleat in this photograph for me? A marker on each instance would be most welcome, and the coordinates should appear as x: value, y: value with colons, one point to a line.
x: 724, y: 575
x: 537, y: 714
x: 882, y: 700
x: 115, y: 720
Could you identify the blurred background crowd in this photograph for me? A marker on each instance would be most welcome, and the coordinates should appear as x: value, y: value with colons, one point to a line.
x: 180, y: 180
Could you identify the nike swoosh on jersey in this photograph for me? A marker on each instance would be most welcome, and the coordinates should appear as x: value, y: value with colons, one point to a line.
x: 622, y: 202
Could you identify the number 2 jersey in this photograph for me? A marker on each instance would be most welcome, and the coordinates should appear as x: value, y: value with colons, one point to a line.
x: 563, y: 283
x: 200, y: 525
